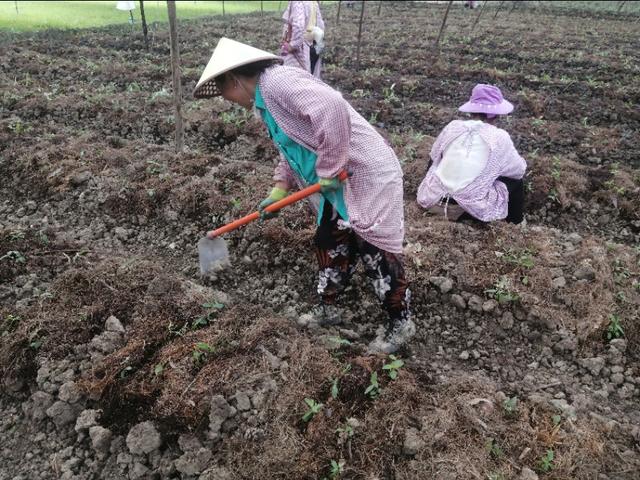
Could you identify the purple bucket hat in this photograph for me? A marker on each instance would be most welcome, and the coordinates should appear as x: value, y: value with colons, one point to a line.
x: 487, y: 99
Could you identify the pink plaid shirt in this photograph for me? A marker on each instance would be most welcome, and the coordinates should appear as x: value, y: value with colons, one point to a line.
x: 485, y: 198
x: 317, y: 117
x: 298, y: 13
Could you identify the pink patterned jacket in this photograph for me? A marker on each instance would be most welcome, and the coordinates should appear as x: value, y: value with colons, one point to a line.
x: 317, y: 117
x: 485, y: 198
x: 297, y: 14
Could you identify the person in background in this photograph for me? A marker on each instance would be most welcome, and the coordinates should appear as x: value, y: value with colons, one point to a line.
x: 319, y: 135
x: 303, y: 36
x: 471, y: 4
x: 476, y: 172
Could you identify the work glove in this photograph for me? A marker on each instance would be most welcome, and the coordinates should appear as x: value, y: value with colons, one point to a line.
x: 276, y: 195
x: 329, y: 185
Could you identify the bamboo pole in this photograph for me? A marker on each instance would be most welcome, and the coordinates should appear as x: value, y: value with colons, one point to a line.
x: 175, y: 69
x: 338, y: 16
x: 444, y: 22
x: 145, y: 31
x: 359, y: 36
x: 478, y: 16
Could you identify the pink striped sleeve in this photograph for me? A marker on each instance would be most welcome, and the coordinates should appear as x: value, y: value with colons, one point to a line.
x: 514, y: 165
x: 330, y: 121
x: 438, y: 146
x: 284, y: 174
x: 298, y: 24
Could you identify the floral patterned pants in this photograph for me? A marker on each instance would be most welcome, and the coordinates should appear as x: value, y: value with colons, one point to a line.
x: 338, y: 248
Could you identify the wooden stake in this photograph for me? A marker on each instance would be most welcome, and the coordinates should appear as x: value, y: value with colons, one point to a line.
x: 478, y: 16
x: 379, y: 7
x: 261, y: 8
x: 498, y: 10
x: 16, y: 2
x: 359, y: 37
x: 444, y: 22
x: 175, y: 69
x: 145, y: 31
x: 338, y: 16
x: 223, y: 8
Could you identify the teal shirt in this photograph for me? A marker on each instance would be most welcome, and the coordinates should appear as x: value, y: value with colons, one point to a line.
x: 301, y: 160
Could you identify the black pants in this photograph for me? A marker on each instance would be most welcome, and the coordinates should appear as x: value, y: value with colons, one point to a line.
x: 515, y: 212
x: 337, y: 251
x: 313, y: 57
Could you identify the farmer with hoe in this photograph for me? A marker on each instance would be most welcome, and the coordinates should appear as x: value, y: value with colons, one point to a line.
x: 319, y: 136
x: 303, y: 36
x: 476, y: 172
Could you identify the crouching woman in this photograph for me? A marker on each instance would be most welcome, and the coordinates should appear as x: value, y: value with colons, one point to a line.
x: 476, y: 172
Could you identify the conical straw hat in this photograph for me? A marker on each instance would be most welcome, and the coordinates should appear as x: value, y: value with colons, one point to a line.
x: 227, y: 55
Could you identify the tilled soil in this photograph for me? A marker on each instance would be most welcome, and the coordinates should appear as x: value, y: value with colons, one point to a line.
x: 119, y: 361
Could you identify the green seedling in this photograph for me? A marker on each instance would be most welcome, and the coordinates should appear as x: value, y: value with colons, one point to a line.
x: 314, y: 409
x: 553, y: 195
x: 347, y: 431
x: 555, y: 171
x: 510, y: 405
x: 522, y: 258
x: 556, y: 419
x: 200, y: 352
x: 494, y: 449
x: 336, y: 469
x: 158, y: 369
x: 546, y: 462
x: 614, y: 330
x: 496, y: 476
x: 14, y: 256
x: 339, y: 341
x: 501, y: 291
x: 393, y: 367
x: 9, y: 325
x: 334, y: 389
x: 212, y: 308
x: 373, y: 390
x: 175, y: 331
x: 16, y: 235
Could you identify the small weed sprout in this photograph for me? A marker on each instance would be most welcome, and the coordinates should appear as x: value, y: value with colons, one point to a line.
x: 339, y: 341
x: 335, y: 389
x: 614, y: 330
x: 555, y: 171
x: 313, y: 410
x: 556, y: 419
x: 510, y: 406
x: 373, y: 390
x: 9, y: 325
x: 346, y: 431
x: 393, y: 367
x: 496, y: 476
x: 501, y: 291
x: 200, y: 352
x: 336, y: 469
x: 494, y: 449
x: 553, y: 195
x: 546, y: 462
x: 522, y: 258
x: 158, y: 369
x: 14, y: 256
x: 212, y: 308
x: 16, y: 235
x: 389, y: 94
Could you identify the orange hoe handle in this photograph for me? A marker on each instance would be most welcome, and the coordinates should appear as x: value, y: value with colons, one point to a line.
x: 274, y: 207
